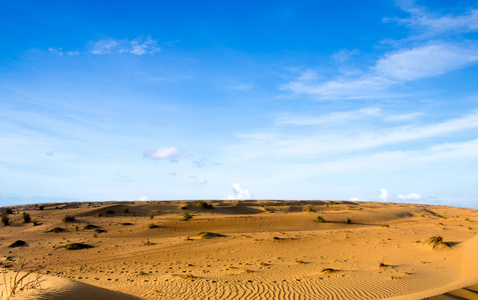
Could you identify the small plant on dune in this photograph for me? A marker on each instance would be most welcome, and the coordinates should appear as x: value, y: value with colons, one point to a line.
x: 22, y: 280
x: 186, y: 217
x: 384, y: 225
x: 204, y: 204
x: 5, y: 220
x: 8, y: 211
x: 348, y: 220
x: 126, y: 210
x: 151, y: 216
x: 26, y: 218
x: 152, y: 226
x: 320, y: 219
x: 69, y: 219
x: 437, y: 242
x: 110, y: 212
x: 41, y: 207
x: 309, y: 208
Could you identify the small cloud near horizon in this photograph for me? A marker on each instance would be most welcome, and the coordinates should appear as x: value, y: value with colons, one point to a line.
x: 239, y: 193
x: 385, y: 196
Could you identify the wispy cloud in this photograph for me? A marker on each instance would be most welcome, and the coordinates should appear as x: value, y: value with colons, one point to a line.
x: 429, y: 24
x: 138, y: 46
x: 267, y: 144
x: 331, y: 118
x: 171, y: 154
x: 335, y: 118
x: 392, y: 69
x: 424, y: 58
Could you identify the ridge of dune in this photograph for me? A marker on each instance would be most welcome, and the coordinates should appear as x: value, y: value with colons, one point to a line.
x: 56, y: 288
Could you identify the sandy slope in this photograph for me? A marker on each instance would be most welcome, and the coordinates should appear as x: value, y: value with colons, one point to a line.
x: 268, y: 249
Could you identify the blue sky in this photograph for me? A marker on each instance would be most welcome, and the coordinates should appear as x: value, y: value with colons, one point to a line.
x: 115, y: 100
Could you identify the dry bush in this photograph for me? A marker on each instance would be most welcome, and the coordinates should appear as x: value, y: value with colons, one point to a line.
x: 5, y: 220
x: 186, y: 217
x: 437, y: 242
x: 203, y: 204
x: 69, y: 219
x: 309, y: 208
x: 26, y: 218
x: 20, y: 281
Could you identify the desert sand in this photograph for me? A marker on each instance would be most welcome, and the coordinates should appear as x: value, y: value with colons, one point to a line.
x: 241, y: 250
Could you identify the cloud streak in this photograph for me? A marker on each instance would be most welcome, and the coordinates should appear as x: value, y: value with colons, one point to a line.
x: 418, y: 57
x: 137, y: 46
x: 267, y: 144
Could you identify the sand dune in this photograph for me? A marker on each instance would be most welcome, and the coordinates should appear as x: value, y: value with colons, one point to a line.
x: 246, y: 250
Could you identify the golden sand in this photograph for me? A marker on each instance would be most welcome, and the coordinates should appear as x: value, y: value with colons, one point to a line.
x: 244, y: 250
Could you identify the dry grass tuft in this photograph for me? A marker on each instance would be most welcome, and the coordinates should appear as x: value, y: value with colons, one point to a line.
x: 437, y: 242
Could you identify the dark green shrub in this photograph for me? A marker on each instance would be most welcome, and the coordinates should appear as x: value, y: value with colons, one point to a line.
x: 320, y: 219
x: 26, y: 218
x: 69, y: 218
x: 348, y: 220
x: 186, y: 217
x: 204, y: 204
x: 5, y: 220
x: 110, y: 212
x: 126, y: 210
x: 41, y: 207
x: 8, y: 211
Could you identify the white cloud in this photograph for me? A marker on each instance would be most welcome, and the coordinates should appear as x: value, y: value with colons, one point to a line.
x: 140, y: 47
x: 411, y: 196
x: 415, y: 58
x: 57, y: 51
x: 430, y: 24
x: 137, y: 46
x: 239, y: 193
x: 384, y: 195
x: 345, y: 54
x: 392, y: 69
x: 105, y: 46
x: 387, y: 197
x: 424, y: 61
x: 171, y: 154
x: 143, y: 198
x: 331, y: 118
x: 272, y: 144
